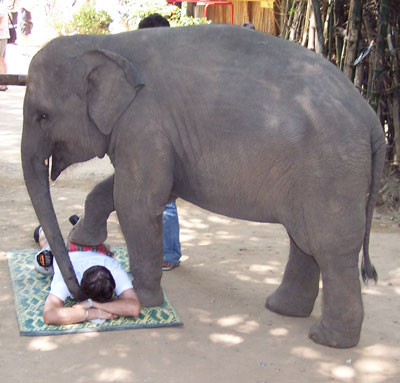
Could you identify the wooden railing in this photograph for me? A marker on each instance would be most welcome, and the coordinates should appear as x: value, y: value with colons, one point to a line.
x: 13, y: 79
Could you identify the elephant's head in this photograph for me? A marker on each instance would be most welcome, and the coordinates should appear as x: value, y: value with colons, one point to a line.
x: 74, y: 99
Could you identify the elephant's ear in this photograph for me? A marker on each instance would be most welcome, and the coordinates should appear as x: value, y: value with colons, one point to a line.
x: 112, y: 83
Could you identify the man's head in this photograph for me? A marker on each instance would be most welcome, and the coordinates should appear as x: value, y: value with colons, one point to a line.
x: 153, y: 21
x: 98, y: 283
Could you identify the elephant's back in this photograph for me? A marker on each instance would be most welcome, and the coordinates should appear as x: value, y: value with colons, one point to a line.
x: 287, y: 90
x: 237, y: 59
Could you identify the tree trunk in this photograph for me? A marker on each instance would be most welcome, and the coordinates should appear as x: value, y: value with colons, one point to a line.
x: 353, y: 37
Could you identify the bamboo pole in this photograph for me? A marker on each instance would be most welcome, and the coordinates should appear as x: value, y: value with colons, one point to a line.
x: 353, y: 37
x: 311, y: 31
x: 329, y: 32
x: 381, y: 43
x: 339, y: 25
x: 304, y: 40
x: 320, y: 46
x: 396, y: 96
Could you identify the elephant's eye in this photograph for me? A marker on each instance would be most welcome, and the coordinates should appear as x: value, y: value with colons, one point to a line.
x: 42, y: 120
x: 43, y: 116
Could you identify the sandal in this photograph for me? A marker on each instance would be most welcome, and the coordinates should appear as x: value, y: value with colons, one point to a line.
x: 169, y: 266
x: 3, y: 88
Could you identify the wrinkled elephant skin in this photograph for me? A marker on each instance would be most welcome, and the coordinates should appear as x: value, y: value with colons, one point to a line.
x: 235, y: 121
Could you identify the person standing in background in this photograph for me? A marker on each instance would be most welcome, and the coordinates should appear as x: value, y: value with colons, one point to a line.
x: 13, y: 20
x: 171, y: 244
x: 4, y: 36
x: 26, y: 24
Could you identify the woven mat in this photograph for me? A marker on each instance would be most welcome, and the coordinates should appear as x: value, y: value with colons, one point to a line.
x: 31, y: 289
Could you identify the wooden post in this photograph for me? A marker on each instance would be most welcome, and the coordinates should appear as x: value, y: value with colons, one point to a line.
x: 13, y: 79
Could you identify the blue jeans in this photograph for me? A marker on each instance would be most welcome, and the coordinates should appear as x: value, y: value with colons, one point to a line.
x: 171, y: 244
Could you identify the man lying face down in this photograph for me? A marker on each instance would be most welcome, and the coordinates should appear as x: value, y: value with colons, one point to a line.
x: 100, y: 276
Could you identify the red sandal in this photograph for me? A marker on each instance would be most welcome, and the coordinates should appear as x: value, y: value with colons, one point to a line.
x: 169, y: 266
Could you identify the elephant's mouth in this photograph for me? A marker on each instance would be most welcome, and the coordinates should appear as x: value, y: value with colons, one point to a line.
x: 55, y: 172
x: 58, y: 164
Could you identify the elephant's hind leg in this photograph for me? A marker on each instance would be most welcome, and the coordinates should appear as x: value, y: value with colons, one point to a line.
x: 342, y: 312
x: 299, y: 288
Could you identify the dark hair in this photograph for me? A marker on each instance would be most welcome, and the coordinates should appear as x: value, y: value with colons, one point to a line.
x: 98, y: 283
x: 249, y: 25
x: 153, y: 21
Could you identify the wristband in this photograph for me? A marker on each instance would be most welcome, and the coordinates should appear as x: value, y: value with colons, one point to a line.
x: 91, y: 305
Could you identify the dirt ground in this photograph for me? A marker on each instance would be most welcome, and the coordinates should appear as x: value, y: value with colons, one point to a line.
x: 228, y: 269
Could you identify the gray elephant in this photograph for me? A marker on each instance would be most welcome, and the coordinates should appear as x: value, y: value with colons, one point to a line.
x: 235, y: 121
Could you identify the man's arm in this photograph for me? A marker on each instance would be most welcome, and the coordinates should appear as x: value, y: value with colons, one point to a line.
x: 127, y: 304
x: 54, y: 312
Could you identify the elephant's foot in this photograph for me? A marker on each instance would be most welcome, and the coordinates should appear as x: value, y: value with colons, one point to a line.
x: 344, y: 338
x: 83, y: 235
x: 287, y: 303
x: 150, y: 298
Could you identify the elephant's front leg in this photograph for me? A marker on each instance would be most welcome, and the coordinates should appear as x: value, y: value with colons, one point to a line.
x: 91, y: 228
x: 140, y: 218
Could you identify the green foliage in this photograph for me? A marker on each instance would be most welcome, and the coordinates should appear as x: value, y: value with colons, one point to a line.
x: 58, y: 22
x: 89, y: 21
x: 136, y: 10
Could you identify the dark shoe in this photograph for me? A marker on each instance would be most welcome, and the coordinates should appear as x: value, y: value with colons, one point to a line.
x: 73, y: 219
x: 43, y: 261
x: 169, y: 266
x: 45, y: 258
x: 36, y: 234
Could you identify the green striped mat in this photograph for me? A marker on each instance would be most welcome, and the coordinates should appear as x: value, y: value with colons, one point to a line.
x: 31, y: 289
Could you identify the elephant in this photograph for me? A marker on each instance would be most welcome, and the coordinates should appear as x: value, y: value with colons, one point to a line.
x: 235, y: 121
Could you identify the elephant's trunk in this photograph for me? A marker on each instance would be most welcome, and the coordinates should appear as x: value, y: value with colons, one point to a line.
x: 36, y: 175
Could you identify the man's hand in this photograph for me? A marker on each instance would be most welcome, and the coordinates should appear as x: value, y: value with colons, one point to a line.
x: 127, y: 304
x: 100, y: 314
x: 54, y: 312
x: 84, y: 305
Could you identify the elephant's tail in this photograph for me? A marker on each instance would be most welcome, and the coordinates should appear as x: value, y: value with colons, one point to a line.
x: 378, y: 147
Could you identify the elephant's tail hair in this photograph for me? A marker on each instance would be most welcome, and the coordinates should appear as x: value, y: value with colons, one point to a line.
x: 377, y: 164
